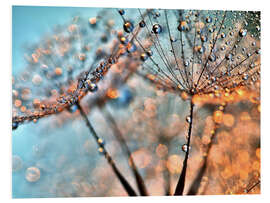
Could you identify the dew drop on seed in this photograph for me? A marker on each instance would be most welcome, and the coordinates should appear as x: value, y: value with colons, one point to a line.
x: 188, y: 119
x: 32, y: 174
x: 144, y: 56
x: 73, y: 108
x: 208, y: 19
x: 14, y: 125
x: 243, y: 32
x: 185, y: 148
x: 245, y: 76
x: 228, y: 56
x: 128, y: 26
x: 203, y: 38
x: 182, y: 26
x: 200, y: 49
x: 93, y: 87
x: 157, y: 29
x: 212, y: 57
x: 186, y: 63
x: 223, y: 35
x: 124, y: 40
x: 101, y: 150
x: 211, y: 30
x: 131, y: 48
x: 142, y: 24
x: 101, y: 141
x: 121, y: 12
x: 157, y: 14
x: 149, y: 53
x: 172, y: 39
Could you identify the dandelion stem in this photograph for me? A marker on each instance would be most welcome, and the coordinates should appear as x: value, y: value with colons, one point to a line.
x: 197, y: 181
x: 120, y: 177
x: 257, y: 183
x: 181, y: 182
x: 122, y: 141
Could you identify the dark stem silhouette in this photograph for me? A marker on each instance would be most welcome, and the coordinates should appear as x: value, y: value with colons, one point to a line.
x: 181, y: 182
x: 120, y: 177
x: 195, y: 185
x: 117, y: 133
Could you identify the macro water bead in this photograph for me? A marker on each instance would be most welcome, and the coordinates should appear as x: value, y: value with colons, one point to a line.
x: 185, y: 148
x: 144, y: 56
x: 208, y: 19
x: 157, y: 29
x: 128, y: 26
x: 142, y: 24
x: 243, y: 32
x: 93, y: 87
x: 121, y: 12
x: 188, y: 119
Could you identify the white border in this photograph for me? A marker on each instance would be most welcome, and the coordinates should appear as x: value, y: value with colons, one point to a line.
x: 5, y: 67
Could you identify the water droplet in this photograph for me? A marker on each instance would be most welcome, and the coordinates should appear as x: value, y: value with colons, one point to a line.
x: 101, y: 150
x: 172, y: 39
x: 228, y: 56
x: 223, y: 35
x: 242, y: 32
x: 245, y: 76
x: 131, y: 48
x: 124, y: 40
x: 211, y: 30
x: 144, y: 56
x: 121, y: 12
x: 14, y: 125
x: 157, y: 14
x: 186, y: 63
x: 185, y: 148
x: 223, y: 48
x: 203, y: 38
x: 73, y: 108
x: 200, y: 49
x: 142, y: 23
x: 101, y: 141
x: 32, y: 174
x: 93, y: 87
x: 157, y: 29
x: 183, y: 26
x: 128, y: 26
x: 149, y: 53
x: 213, y: 79
x: 212, y: 57
x: 208, y: 19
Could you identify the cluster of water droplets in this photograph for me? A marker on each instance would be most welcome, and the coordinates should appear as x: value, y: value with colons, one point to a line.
x: 197, y: 51
x: 64, y: 66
